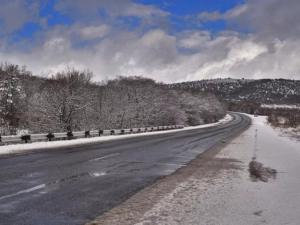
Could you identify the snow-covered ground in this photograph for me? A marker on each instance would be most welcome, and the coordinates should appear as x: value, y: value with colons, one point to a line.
x: 232, y: 197
x: 217, y: 189
x: 17, y: 148
x: 293, y: 133
x: 282, y: 106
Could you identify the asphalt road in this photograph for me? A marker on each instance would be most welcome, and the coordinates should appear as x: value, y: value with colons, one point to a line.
x: 70, y: 186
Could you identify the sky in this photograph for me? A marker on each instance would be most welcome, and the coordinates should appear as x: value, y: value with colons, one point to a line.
x: 167, y: 40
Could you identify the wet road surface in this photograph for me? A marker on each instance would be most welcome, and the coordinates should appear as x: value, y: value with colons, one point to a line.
x: 70, y: 186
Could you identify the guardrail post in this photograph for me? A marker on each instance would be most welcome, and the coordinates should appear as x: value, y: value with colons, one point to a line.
x: 100, y: 132
x: 70, y: 135
x: 26, y: 138
x: 50, y: 136
x: 122, y: 131
x: 112, y: 132
x: 87, y: 134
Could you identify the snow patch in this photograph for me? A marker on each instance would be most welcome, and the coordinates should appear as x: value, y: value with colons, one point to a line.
x: 283, y: 106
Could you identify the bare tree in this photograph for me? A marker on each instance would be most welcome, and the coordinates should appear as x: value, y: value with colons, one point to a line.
x: 12, y: 96
x: 69, y: 101
x: 62, y: 102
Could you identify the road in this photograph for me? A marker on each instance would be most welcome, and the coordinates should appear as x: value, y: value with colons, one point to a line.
x: 70, y: 186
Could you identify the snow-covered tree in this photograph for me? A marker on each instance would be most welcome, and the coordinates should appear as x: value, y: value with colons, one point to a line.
x: 62, y: 102
x: 11, y: 96
x: 69, y: 101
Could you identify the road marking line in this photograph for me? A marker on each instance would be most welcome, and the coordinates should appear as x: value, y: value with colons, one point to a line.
x: 97, y: 174
x: 104, y: 157
x: 41, y: 186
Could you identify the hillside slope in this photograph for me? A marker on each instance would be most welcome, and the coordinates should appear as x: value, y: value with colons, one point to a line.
x: 280, y: 91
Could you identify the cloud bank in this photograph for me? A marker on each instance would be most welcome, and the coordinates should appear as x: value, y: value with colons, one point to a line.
x: 261, y: 40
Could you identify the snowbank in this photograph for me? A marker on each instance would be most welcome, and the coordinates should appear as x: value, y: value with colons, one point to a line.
x: 18, y: 148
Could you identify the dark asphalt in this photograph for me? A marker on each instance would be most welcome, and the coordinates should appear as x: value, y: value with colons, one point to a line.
x: 70, y: 186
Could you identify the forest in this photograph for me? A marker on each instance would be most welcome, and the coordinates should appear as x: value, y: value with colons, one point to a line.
x: 71, y: 101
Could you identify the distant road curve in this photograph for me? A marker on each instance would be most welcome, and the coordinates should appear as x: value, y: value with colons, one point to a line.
x: 73, y: 185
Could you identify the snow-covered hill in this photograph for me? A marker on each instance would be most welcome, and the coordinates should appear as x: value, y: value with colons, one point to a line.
x: 279, y: 91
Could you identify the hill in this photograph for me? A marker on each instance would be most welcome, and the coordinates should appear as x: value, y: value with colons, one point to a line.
x: 265, y: 91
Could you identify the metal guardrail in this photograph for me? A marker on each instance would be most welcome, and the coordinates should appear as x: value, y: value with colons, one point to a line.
x: 14, y: 139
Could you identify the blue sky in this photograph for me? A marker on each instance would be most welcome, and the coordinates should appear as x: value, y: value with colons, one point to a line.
x: 167, y: 40
x: 182, y: 7
x: 179, y: 10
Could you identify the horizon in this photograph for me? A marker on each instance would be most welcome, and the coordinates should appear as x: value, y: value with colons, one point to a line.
x: 53, y: 74
x: 168, y: 41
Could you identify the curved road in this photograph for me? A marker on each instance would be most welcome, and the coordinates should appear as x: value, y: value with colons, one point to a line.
x: 70, y: 186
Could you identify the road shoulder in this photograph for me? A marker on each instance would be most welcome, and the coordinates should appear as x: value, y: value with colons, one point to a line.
x: 218, y: 188
x: 139, y: 207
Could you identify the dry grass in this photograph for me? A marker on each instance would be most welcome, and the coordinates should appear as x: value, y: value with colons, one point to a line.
x: 260, y: 173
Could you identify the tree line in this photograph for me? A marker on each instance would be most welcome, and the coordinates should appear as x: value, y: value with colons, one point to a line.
x: 70, y: 100
x: 282, y: 117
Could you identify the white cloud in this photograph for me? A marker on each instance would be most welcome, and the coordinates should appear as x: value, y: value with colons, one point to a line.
x: 15, y: 13
x: 194, y: 40
x: 142, y: 11
x: 210, y: 16
x: 92, y: 32
x: 81, y: 9
x: 57, y: 45
x: 157, y: 54
x: 240, y: 53
x: 237, y: 11
x: 216, y: 15
x: 272, y: 18
x: 271, y: 50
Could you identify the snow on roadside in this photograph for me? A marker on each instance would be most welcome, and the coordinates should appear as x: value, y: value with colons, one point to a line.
x: 291, y: 132
x: 227, y: 195
x: 283, y: 106
x: 18, y: 148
